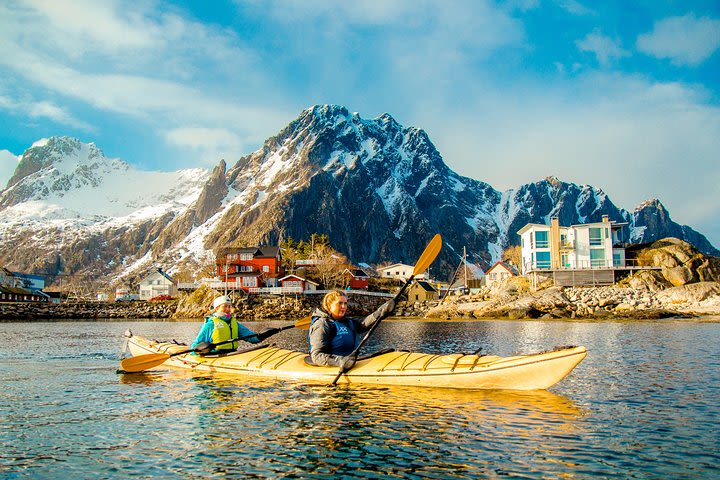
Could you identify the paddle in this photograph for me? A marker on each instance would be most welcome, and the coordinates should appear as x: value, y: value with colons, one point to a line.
x: 140, y: 363
x: 427, y: 257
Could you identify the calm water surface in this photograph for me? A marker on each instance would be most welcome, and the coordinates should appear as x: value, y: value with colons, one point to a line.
x: 643, y: 404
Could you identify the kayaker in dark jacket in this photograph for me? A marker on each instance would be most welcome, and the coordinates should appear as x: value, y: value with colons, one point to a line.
x: 333, y: 336
x: 222, y: 326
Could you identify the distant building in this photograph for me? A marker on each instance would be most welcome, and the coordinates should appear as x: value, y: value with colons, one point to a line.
x: 293, y: 281
x: 421, y: 291
x: 356, y: 278
x: 498, y: 273
x: 17, y: 287
x: 584, y: 254
x: 157, y: 283
x: 249, y: 267
x: 398, y: 271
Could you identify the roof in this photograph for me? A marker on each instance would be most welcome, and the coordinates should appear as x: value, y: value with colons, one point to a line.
x: 425, y: 286
x: 357, y: 272
x: 394, y: 265
x: 264, y: 251
x: 509, y: 268
x: 529, y: 226
x: 299, y: 278
x: 613, y: 224
x: 160, y: 271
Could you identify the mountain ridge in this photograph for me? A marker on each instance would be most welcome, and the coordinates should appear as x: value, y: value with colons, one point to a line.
x: 378, y: 189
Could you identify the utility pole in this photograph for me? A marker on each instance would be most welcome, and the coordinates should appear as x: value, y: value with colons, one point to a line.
x: 465, y: 267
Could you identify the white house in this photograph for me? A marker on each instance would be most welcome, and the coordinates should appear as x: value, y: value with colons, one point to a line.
x: 583, y: 246
x: 399, y: 271
x: 157, y: 283
x: 295, y: 282
x: 499, y: 272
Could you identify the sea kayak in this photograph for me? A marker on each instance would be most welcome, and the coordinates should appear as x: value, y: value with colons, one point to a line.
x: 536, y: 371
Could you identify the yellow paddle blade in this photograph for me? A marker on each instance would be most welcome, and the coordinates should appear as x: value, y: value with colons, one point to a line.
x: 304, y: 323
x: 143, y: 362
x: 428, y: 255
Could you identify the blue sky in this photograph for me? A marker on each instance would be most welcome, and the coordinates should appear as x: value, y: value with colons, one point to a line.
x: 622, y: 95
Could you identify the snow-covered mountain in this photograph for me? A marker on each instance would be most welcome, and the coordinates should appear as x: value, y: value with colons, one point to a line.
x: 378, y: 189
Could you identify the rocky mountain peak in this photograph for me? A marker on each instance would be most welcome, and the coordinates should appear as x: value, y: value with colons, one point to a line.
x: 379, y: 190
x: 52, y: 151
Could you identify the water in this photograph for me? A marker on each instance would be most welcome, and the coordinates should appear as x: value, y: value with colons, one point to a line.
x: 643, y: 404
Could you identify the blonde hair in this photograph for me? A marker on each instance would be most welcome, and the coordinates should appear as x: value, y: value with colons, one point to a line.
x: 330, y: 298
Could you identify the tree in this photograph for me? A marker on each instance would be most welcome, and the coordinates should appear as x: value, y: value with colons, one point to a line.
x: 513, y: 256
x: 330, y: 266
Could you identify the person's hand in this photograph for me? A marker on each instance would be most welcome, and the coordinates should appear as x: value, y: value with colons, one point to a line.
x: 204, y: 347
x: 348, y: 362
x: 267, y: 333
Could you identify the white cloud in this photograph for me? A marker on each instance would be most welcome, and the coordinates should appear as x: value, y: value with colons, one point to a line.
x: 605, y: 48
x: 42, y: 109
x: 8, y: 164
x: 211, y: 144
x: 686, y: 40
x: 574, y: 7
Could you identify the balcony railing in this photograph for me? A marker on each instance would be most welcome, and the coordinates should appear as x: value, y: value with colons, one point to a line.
x: 584, y: 265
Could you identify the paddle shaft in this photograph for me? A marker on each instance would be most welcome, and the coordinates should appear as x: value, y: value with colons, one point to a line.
x: 372, y: 329
x: 374, y: 325
x: 426, y: 258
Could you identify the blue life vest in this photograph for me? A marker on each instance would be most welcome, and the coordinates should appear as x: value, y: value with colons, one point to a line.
x: 344, y: 339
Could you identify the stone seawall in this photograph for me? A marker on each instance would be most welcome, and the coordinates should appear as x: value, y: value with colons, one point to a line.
x: 247, y: 309
x: 85, y: 310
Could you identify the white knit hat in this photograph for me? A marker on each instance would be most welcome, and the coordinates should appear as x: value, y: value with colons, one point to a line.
x: 221, y: 300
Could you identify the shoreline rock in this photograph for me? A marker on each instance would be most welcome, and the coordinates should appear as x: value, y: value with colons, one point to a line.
x: 702, y: 298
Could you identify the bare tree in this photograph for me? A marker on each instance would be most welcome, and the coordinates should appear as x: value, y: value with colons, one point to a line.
x: 513, y: 256
x: 329, y: 266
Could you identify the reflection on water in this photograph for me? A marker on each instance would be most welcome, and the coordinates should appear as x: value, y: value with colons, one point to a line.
x: 354, y: 431
x: 642, y: 404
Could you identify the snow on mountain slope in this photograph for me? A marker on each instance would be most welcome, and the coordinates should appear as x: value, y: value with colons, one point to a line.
x: 377, y: 189
x: 77, y: 185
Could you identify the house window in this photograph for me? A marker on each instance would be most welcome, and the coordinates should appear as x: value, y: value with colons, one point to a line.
x: 597, y: 257
x: 541, y: 240
x: 595, y: 236
x: 266, y: 268
x: 542, y: 259
x: 249, y: 282
x: 617, y: 260
x: 246, y: 256
x: 564, y: 260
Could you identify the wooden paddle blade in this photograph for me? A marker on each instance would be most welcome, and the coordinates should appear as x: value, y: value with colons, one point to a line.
x: 143, y: 362
x: 428, y: 255
x: 304, y: 323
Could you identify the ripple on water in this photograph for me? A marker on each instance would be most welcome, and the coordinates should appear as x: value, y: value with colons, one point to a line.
x: 640, y: 405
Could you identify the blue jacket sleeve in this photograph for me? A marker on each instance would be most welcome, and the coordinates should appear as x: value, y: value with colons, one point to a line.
x: 243, y: 331
x: 205, y: 334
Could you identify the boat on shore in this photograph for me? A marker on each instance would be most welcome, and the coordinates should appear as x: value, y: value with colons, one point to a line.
x: 537, y: 371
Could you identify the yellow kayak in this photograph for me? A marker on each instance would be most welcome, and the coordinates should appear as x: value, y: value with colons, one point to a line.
x: 470, y: 372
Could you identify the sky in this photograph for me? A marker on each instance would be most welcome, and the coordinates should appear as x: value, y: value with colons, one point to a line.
x: 624, y: 96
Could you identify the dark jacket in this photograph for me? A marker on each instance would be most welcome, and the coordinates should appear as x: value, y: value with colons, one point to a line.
x: 323, y: 330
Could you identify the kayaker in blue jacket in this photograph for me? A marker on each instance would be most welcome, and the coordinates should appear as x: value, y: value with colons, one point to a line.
x: 222, y: 326
x: 333, y: 336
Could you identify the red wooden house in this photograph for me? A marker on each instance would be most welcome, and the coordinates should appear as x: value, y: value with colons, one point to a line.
x: 250, y: 267
x: 356, y: 278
